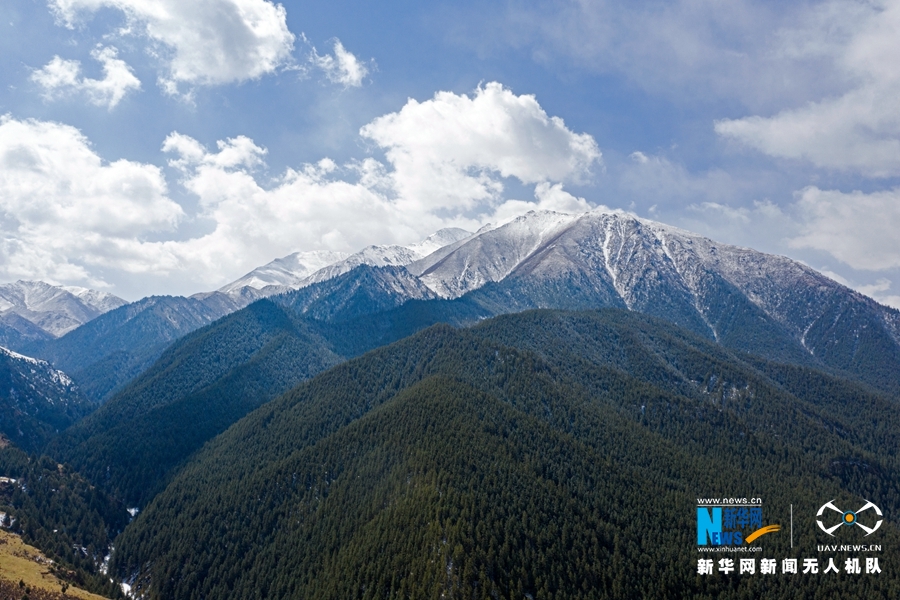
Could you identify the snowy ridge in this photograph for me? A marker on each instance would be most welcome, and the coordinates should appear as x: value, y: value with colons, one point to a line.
x: 373, y: 256
x: 288, y: 272
x: 22, y: 357
x: 301, y: 269
x: 55, y: 309
x: 41, y: 369
x: 622, y: 259
x: 102, y: 301
x: 489, y: 255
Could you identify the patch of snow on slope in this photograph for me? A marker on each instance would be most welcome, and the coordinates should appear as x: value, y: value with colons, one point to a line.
x: 57, y: 377
x: 491, y: 254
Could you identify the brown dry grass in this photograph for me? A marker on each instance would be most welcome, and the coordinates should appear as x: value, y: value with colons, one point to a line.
x: 20, y: 562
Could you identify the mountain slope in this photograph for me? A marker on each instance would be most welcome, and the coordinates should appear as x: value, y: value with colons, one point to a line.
x: 107, y: 352
x: 449, y: 464
x: 197, y: 388
x: 360, y: 292
x: 742, y: 298
x: 17, y: 332
x: 215, y: 375
x: 36, y: 400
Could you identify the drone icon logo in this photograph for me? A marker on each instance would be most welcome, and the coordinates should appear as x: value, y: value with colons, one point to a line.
x: 848, y: 518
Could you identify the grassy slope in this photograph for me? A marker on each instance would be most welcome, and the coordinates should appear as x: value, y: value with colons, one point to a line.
x: 21, y: 562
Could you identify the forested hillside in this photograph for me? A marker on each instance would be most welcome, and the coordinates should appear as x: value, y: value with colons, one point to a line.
x: 198, y: 387
x: 488, y: 463
x: 36, y: 400
x: 107, y: 352
x: 215, y: 375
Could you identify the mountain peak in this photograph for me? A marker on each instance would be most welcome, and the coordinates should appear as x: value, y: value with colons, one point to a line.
x: 54, y: 309
x: 301, y: 269
x: 288, y: 271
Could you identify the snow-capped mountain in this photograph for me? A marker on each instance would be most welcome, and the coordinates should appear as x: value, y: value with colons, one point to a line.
x: 489, y: 255
x: 301, y: 269
x: 289, y: 271
x: 55, y: 309
x: 635, y: 263
x: 766, y: 304
x: 358, y: 292
x: 36, y: 400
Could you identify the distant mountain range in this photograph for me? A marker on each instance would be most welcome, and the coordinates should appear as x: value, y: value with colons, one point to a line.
x: 34, y: 310
x: 301, y: 269
x: 744, y: 299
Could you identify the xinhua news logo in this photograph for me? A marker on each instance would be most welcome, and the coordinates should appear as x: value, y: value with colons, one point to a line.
x: 730, y: 521
x: 849, y: 518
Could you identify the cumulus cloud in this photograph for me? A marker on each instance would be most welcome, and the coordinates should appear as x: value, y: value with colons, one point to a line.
x: 201, y: 42
x: 61, y: 77
x: 858, y: 229
x: 67, y: 215
x: 324, y: 205
x: 343, y: 67
x: 67, y: 212
x: 857, y: 129
x: 453, y: 150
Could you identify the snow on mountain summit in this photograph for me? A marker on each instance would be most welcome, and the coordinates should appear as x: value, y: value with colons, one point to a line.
x: 489, y: 255
x: 612, y: 258
x: 55, y: 309
x: 289, y: 271
x: 305, y: 268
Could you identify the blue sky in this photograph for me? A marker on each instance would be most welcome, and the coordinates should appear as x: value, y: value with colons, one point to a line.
x: 165, y: 146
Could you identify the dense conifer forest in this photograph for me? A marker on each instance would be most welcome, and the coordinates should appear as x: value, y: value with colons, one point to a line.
x: 543, y: 454
x: 553, y: 454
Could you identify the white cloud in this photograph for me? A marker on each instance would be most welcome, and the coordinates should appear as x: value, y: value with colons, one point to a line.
x: 857, y: 129
x: 452, y: 150
x: 306, y: 208
x: 67, y: 216
x: 60, y: 77
x: 66, y: 212
x: 549, y: 197
x: 343, y: 68
x: 326, y: 206
x: 201, y: 42
x: 858, y: 229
